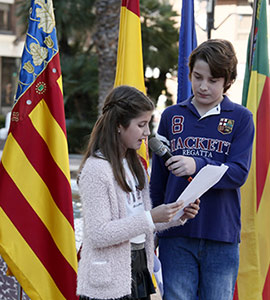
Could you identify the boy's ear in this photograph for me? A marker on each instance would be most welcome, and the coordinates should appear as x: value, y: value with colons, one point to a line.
x: 227, y: 86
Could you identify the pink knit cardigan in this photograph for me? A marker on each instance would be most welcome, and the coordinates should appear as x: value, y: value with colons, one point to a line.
x: 105, y: 266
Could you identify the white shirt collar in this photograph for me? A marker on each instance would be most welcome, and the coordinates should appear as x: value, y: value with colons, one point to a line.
x: 213, y: 111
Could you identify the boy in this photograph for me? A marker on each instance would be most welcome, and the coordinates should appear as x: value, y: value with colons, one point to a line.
x: 202, y: 257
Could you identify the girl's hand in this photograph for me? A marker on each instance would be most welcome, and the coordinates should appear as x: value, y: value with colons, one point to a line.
x: 165, y: 212
x: 191, y: 210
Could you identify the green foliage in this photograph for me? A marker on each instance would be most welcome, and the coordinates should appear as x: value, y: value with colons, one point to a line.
x: 2, y: 121
x: 22, y: 11
x: 75, y: 23
x: 73, y: 19
x: 78, y: 135
x: 160, y: 42
x: 80, y: 96
x: 80, y: 86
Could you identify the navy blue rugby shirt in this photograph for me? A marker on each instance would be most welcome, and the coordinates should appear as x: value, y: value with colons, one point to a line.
x: 224, y: 135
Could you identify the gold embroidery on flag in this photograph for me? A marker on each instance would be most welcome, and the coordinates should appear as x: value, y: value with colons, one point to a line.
x: 41, y: 88
x: 45, y: 13
x: 15, y: 116
x: 49, y: 42
x: 39, y: 54
x: 28, y: 67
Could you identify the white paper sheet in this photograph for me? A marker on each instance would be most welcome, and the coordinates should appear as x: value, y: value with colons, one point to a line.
x: 202, y: 182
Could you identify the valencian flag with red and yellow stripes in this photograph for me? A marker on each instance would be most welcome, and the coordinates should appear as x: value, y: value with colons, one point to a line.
x: 129, y: 68
x: 37, y: 239
x: 253, y: 280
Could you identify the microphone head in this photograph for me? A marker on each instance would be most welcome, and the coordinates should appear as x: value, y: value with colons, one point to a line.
x: 158, y: 147
x: 155, y: 144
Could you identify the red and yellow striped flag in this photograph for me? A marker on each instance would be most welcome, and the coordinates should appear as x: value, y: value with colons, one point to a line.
x: 37, y: 238
x: 253, y: 281
x: 129, y: 69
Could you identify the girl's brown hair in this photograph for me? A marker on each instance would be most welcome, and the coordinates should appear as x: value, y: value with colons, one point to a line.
x: 122, y: 104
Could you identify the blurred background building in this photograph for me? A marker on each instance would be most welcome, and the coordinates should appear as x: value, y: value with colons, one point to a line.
x: 10, y: 53
x: 226, y: 19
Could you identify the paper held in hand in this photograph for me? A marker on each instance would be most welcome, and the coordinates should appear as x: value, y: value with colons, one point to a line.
x: 202, y: 182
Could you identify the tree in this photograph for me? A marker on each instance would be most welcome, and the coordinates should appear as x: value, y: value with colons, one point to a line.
x: 106, y: 41
x: 87, y: 32
x: 159, y: 38
x: 74, y: 22
x: 160, y: 43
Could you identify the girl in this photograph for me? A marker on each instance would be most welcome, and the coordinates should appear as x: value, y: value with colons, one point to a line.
x: 117, y: 252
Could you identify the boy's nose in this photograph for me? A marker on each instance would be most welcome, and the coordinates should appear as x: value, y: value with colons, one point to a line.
x: 203, y: 86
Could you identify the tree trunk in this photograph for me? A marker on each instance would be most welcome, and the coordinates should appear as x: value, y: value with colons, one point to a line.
x: 106, y: 41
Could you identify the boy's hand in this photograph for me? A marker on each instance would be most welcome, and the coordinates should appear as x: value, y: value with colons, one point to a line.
x: 191, y: 210
x: 181, y: 165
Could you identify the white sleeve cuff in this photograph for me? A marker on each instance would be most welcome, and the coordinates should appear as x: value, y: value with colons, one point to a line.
x: 182, y: 222
x: 150, y: 220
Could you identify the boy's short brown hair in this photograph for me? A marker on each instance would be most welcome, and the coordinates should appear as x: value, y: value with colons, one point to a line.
x: 221, y: 58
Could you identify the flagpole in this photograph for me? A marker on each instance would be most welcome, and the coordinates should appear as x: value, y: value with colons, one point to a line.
x: 19, y: 288
x: 255, y: 4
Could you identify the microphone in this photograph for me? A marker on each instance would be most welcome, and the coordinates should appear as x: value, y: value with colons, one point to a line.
x: 162, y: 151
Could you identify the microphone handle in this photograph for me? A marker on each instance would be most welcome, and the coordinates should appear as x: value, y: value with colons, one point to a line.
x: 166, y: 156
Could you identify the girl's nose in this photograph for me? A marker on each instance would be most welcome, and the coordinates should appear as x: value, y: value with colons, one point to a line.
x: 147, y: 131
